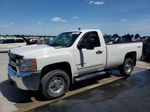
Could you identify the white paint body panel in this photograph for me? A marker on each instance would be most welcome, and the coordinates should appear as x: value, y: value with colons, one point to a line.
x: 116, y: 53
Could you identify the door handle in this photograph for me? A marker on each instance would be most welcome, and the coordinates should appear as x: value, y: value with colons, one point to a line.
x: 99, y: 52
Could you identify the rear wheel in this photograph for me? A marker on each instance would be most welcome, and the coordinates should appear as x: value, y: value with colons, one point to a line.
x: 54, y: 84
x: 127, y: 67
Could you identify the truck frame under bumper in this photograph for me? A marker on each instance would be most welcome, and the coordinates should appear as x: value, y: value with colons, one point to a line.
x: 25, y: 81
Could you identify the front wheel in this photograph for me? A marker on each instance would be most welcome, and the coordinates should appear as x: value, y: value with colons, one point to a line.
x: 54, y: 84
x: 127, y: 67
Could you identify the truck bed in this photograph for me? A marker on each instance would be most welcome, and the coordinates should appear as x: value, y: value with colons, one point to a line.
x: 117, y: 52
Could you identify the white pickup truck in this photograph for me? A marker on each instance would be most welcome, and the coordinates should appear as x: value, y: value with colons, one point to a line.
x: 71, y: 56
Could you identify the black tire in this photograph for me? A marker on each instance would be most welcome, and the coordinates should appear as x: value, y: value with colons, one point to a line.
x: 55, y: 84
x: 142, y: 58
x: 127, y: 67
x: 108, y: 72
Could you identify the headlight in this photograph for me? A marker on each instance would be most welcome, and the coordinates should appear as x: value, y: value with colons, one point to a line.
x: 27, y: 65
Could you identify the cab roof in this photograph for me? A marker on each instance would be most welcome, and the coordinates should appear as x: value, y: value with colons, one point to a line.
x: 84, y: 30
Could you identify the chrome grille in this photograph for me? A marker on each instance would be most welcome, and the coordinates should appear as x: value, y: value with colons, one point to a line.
x: 13, y: 61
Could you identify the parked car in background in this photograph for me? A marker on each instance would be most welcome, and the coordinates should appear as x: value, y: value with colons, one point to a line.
x: 146, y: 48
x: 9, y: 43
x: 31, y: 41
x: 46, y: 41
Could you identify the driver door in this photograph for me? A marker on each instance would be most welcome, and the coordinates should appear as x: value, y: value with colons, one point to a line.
x: 90, y: 58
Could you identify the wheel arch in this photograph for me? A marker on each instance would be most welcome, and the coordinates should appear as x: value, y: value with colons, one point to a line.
x: 61, y: 65
x: 131, y: 55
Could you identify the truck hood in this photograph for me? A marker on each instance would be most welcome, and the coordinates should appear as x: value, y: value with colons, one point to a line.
x: 32, y: 50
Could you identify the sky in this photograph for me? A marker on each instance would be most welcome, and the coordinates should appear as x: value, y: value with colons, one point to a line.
x: 51, y: 17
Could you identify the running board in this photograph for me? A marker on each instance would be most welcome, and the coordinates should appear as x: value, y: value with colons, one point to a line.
x: 89, y: 76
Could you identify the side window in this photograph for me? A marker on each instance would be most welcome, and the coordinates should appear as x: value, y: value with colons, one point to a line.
x: 19, y: 41
x: 91, y: 38
x: 1, y: 41
x: 84, y: 40
x: 10, y: 40
x: 95, y: 39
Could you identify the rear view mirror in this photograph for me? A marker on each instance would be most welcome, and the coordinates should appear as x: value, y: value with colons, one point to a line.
x: 88, y: 46
x: 80, y: 46
x: 87, y: 43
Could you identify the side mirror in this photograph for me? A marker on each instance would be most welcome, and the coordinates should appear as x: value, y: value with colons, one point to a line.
x: 90, y: 47
x: 80, y: 46
x: 88, y: 44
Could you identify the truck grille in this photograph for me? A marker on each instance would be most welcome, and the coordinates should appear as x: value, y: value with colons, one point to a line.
x: 13, y: 61
x: 14, y: 68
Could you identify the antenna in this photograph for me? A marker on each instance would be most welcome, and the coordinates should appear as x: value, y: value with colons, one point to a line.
x: 79, y: 28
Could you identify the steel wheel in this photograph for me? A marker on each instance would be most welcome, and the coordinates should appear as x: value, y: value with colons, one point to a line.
x: 56, y: 85
x: 127, y: 67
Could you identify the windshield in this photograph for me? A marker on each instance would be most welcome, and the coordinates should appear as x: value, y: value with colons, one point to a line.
x: 65, y: 39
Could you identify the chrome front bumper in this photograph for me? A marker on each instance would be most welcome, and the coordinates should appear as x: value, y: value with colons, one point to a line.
x: 25, y: 80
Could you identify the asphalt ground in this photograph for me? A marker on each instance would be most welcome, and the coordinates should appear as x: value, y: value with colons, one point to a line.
x: 107, y: 93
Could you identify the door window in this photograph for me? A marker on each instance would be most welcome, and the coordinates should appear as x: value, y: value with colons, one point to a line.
x: 90, y: 38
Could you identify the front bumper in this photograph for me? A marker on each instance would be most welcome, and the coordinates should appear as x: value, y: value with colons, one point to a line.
x: 25, y: 80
